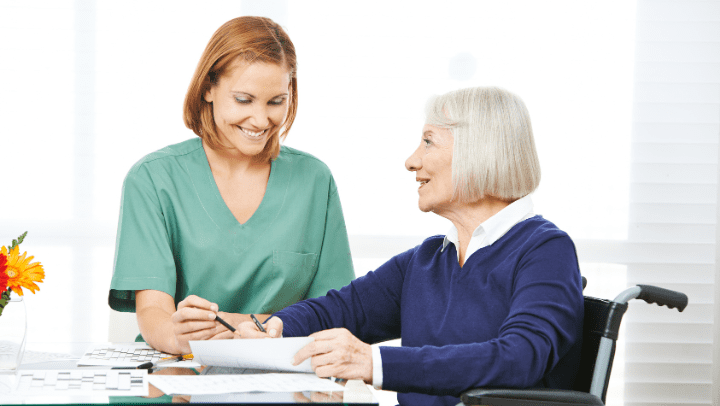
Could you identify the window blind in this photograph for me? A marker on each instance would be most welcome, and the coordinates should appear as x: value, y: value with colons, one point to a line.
x: 673, y: 196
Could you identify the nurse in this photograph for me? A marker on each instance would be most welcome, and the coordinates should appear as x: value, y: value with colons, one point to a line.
x: 230, y: 222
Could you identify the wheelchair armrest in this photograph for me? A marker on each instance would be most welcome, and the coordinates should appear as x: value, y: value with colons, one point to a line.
x: 528, y: 397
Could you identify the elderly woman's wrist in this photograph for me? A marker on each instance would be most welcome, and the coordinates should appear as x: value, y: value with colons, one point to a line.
x: 376, y: 368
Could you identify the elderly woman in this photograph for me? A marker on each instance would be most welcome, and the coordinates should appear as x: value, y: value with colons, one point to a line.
x: 495, y: 302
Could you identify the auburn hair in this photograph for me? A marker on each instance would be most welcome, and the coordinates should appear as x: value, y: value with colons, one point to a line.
x: 253, y: 39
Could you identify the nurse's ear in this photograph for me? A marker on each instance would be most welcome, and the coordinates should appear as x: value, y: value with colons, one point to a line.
x: 210, y: 95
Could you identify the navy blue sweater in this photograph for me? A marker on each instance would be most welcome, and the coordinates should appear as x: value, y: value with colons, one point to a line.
x: 504, y: 319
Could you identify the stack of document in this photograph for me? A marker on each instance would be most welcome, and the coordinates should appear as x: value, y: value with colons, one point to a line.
x: 273, y: 354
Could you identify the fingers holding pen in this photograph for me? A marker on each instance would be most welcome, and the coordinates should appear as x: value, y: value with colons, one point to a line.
x: 228, y: 321
x: 248, y: 329
x: 273, y: 326
x: 196, y: 310
x: 199, y: 303
x: 194, y: 319
x: 273, y: 329
x: 196, y: 302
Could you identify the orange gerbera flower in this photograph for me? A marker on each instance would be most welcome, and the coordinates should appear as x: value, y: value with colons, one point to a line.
x: 21, y: 273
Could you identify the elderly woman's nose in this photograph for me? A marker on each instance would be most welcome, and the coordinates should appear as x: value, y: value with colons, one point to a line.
x: 414, y: 162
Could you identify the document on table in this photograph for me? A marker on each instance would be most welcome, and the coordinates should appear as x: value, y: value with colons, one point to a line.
x: 262, y: 353
x: 128, y: 355
x: 218, y: 384
x: 76, y: 382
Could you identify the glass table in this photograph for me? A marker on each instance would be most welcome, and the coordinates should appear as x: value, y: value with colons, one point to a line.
x: 64, y: 356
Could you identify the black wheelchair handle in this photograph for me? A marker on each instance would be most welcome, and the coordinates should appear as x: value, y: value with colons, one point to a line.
x: 663, y: 297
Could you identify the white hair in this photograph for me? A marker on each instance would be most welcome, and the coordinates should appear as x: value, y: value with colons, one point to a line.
x: 494, y: 151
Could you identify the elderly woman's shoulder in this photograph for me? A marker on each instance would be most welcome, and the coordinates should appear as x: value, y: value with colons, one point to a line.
x: 538, y: 227
x: 434, y: 239
x: 431, y: 244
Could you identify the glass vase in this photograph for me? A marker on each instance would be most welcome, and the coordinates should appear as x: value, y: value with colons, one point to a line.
x: 13, y: 328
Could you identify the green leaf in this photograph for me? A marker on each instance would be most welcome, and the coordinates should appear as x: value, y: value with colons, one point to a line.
x: 4, y: 299
x: 18, y: 241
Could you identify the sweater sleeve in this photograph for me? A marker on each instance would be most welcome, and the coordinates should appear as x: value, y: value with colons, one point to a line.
x: 544, y: 320
x: 369, y: 307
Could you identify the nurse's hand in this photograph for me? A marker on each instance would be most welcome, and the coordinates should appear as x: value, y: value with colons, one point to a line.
x: 337, y: 353
x: 194, y: 319
x: 273, y: 327
x: 232, y: 319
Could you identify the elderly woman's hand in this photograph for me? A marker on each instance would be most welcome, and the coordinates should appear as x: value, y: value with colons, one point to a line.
x: 338, y: 353
x: 319, y: 397
x: 273, y: 327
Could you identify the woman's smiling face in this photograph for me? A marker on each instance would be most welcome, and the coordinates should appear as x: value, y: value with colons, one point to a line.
x: 249, y: 102
x: 432, y: 164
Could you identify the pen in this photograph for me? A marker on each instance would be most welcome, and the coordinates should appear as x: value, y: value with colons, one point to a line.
x: 227, y: 325
x: 257, y: 323
x: 150, y: 365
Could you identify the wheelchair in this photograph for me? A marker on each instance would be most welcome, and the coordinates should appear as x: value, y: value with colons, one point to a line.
x: 597, y: 350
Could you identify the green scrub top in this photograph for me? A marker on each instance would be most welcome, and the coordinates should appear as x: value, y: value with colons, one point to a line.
x: 177, y: 235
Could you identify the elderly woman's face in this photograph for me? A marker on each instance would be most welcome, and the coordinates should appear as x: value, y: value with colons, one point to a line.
x: 432, y: 164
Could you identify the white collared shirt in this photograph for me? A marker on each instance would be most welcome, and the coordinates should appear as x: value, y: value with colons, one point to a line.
x: 493, y: 228
x: 484, y: 235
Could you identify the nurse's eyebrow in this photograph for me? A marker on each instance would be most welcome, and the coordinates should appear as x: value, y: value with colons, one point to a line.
x: 237, y: 92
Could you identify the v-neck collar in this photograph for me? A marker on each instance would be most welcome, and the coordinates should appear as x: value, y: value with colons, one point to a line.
x: 211, y: 199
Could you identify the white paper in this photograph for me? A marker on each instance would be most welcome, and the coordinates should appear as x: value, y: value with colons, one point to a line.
x: 262, y: 353
x: 219, y: 384
x: 78, y: 382
x: 128, y: 355
x: 248, y: 397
